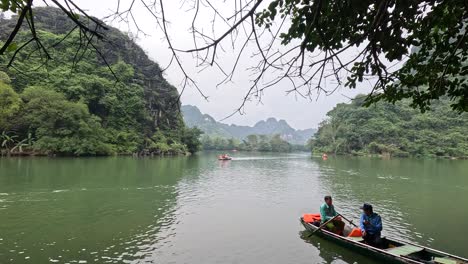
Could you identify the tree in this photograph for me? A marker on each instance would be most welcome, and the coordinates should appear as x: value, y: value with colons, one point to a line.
x: 252, y: 141
x: 9, y: 101
x: 393, y: 129
x: 264, y: 144
x: 232, y: 143
x: 61, y: 126
x: 279, y: 145
x: 191, y: 138
x: 220, y: 143
x: 207, y: 142
x: 81, y: 97
x: 6, y: 143
x: 308, y: 41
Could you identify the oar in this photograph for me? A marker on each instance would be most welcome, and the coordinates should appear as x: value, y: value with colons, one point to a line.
x: 324, y: 224
x: 351, y: 222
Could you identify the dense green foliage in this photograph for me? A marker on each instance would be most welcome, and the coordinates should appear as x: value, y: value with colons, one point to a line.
x: 386, y: 31
x: 9, y: 100
x: 252, y: 143
x: 74, y: 105
x: 10, y: 5
x: 393, y: 129
x: 180, y: 142
x: 60, y: 126
x: 191, y: 139
x: 219, y: 143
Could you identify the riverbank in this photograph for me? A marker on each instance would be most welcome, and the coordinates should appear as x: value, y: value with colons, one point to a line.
x: 136, y: 154
x: 389, y: 156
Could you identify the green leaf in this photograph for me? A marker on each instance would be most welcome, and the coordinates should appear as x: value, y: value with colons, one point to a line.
x: 12, y: 47
x: 5, y: 5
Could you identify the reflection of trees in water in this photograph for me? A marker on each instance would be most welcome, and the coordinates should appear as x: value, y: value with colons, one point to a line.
x: 156, y: 220
x: 110, y: 209
x: 333, y: 253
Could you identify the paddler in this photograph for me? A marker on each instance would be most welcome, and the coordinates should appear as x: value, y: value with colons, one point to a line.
x: 371, y: 226
x: 327, y: 212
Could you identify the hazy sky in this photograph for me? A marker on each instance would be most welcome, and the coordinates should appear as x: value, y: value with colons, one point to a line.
x: 300, y: 113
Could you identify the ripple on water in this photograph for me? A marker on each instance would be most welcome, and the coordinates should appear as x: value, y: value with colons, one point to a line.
x: 60, y: 191
x: 209, y: 213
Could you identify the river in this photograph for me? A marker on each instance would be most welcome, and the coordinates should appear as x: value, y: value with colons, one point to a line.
x: 200, y: 210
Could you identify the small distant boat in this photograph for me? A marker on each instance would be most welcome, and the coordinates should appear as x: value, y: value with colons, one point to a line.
x: 224, y: 157
x: 395, y: 251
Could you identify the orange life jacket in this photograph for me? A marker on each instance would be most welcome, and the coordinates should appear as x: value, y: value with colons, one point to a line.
x: 310, y: 218
x: 356, y: 232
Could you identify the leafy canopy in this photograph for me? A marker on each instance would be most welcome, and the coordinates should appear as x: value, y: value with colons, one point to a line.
x: 62, y: 126
x: 393, y: 129
x: 9, y: 100
x: 429, y: 36
x: 265, y: 143
x: 413, y: 49
x: 76, y: 107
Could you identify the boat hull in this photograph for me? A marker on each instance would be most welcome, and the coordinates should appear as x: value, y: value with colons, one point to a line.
x: 361, y: 249
x: 382, y: 255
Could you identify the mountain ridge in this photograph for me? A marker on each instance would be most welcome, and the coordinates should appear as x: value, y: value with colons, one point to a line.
x: 270, y: 126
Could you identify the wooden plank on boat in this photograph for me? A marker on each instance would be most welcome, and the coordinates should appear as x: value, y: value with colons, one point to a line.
x: 404, y: 250
x: 357, y: 239
x: 446, y: 260
x: 399, y: 250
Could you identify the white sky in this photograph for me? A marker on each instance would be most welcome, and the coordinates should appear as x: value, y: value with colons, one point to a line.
x: 223, y: 100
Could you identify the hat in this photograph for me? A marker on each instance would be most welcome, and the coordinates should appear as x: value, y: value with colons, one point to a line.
x: 366, y: 207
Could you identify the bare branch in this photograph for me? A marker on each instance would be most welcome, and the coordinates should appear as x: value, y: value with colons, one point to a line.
x: 18, y: 25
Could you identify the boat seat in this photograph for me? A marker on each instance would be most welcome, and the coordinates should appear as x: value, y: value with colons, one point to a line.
x: 404, y: 250
x: 445, y: 260
x: 357, y: 239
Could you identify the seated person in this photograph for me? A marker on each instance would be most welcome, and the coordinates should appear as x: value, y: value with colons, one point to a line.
x: 371, y: 226
x: 327, y: 212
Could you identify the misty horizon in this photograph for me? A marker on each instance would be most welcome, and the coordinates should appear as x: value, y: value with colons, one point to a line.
x: 255, y: 122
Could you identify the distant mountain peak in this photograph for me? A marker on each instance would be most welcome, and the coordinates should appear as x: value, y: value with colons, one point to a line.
x: 271, y: 126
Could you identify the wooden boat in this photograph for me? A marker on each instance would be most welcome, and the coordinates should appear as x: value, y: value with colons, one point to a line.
x: 224, y: 158
x: 395, y: 251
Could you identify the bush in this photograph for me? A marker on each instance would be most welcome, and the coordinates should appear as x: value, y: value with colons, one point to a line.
x: 9, y: 103
x: 61, y: 126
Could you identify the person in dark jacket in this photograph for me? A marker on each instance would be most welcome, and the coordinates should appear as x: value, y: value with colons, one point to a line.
x: 371, y: 226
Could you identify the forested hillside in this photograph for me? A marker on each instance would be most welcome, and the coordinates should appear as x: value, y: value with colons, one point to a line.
x: 393, y: 129
x: 72, y: 103
x: 262, y: 143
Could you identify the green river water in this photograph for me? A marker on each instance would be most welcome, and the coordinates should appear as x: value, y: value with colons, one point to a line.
x: 201, y: 210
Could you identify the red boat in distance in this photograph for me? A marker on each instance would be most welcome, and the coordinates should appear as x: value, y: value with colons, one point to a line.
x: 224, y: 157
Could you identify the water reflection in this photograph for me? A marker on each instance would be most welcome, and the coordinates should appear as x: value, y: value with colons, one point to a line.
x: 333, y: 253
x: 95, y: 210
x: 198, y: 210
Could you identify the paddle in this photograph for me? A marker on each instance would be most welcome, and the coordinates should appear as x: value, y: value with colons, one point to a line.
x: 324, y: 224
x: 351, y: 222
